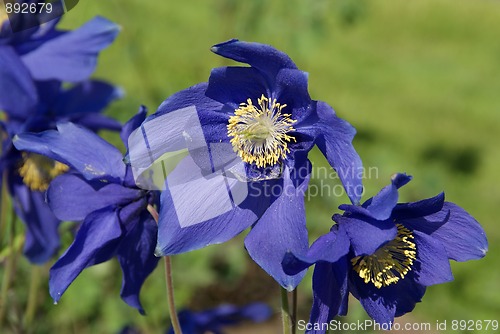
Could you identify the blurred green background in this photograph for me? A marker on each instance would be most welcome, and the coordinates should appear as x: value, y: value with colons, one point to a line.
x: 420, y: 80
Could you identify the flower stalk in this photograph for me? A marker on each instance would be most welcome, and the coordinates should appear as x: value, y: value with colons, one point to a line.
x: 285, y: 312
x: 294, y: 310
x: 169, y: 282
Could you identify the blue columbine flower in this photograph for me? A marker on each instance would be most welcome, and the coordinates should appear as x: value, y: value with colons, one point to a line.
x: 100, y: 192
x: 46, y: 53
x: 386, y: 254
x: 213, y: 320
x: 28, y: 174
x: 33, y: 64
x: 247, y: 132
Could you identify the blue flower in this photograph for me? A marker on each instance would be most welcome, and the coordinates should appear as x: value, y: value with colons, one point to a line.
x: 45, y: 53
x: 33, y: 64
x: 247, y: 133
x: 386, y: 253
x: 28, y: 175
x: 214, y: 320
x: 100, y: 192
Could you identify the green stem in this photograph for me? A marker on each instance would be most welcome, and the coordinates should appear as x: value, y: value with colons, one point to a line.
x: 294, y: 311
x: 170, y: 295
x: 169, y: 282
x: 285, y: 312
x: 33, y: 296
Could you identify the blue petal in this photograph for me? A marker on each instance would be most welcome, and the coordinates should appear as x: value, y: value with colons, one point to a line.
x: 419, y: 209
x: 382, y: 204
x: 77, y: 147
x: 281, y: 230
x: 234, y: 85
x: 72, y: 198
x: 214, y: 319
x: 27, y: 32
x: 214, y: 125
x: 129, y: 213
x: 395, y: 300
x: 461, y: 235
x: 263, y: 57
x: 334, y: 139
x: 330, y: 292
x: 95, y: 122
x: 328, y: 248
x: 378, y: 309
x: 256, y: 312
x: 47, y: 29
x: 91, y: 96
x: 133, y: 124
x: 434, y: 267
x: 190, y: 111
x: 48, y: 92
x: 367, y: 234
x: 355, y: 209
x: 291, y: 89
x: 227, y: 314
x: 331, y: 246
x: 18, y: 90
x: 177, y: 125
x: 400, y: 179
x: 42, y: 236
x: 192, y: 96
x: 188, y: 323
x: 196, y: 211
x: 72, y: 56
x: 95, y: 242
x: 137, y: 260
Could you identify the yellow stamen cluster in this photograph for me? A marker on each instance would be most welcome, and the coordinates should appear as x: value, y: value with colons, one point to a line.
x: 259, y: 132
x: 390, y: 263
x: 3, y: 17
x: 37, y: 171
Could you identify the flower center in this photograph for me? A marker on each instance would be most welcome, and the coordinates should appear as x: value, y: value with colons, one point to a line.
x: 389, y: 263
x: 3, y: 18
x: 37, y: 171
x: 259, y: 132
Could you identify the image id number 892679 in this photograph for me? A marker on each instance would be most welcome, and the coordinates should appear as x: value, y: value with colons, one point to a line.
x: 28, y: 8
x: 474, y: 325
